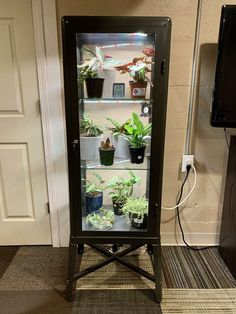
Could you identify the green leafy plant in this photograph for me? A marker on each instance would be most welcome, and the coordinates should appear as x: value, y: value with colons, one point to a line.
x: 89, y: 69
x: 88, y: 127
x: 139, y: 67
x: 94, y: 188
x: 136, y: 206
x: 106, y: 145
x: 87, y: 72
x: 98, y: 61
x: 138, y: 133
x: 122, y: 188
x: 103, y: 219
x: 117, y: 128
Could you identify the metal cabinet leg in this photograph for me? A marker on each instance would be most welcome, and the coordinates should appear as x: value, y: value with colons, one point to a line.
x: 157, y: 270
x: 80, y: 249
x: 70, y: 287
x: 150, y: 249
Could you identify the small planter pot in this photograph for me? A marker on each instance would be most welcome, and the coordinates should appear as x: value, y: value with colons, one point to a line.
x: 93, y: 203
x: 109, y: 79
x: 94, y: 87
x: 137, y: 154
x: 106, y: 156
x: 138, y: 90
x: 122, y: 146
x: 117, y: 207
x: 89, y: 147
x: 138, y: 222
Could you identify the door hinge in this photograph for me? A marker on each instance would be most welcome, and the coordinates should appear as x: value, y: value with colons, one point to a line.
x: 38, y: 103
x: 48, y: 207
x: 163, y: 66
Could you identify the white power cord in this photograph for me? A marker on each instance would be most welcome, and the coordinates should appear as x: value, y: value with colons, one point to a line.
x: 185, y: 199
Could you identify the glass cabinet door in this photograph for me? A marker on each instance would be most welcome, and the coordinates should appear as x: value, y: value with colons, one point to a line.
x: 115, y: 76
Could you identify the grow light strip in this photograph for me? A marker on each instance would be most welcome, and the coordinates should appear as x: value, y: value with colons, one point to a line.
x: 118, y: 101
x: 139, y: 34
x: 120, y: 45
x: 95, y: 165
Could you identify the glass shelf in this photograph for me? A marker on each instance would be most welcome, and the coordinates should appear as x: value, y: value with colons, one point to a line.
x: 121, y: 223
x: 119, y: 164
x: 114, y: 100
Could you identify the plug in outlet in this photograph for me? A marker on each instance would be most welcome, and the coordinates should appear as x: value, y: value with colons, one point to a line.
x: 187, y: 160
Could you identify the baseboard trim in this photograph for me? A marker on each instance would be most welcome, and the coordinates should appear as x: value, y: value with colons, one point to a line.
x: 199, y: 239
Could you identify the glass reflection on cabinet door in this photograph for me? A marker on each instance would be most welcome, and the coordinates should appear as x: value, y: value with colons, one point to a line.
x: 115, y: 74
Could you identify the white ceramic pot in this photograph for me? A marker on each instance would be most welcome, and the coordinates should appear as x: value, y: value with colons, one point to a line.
x: 89, y: 147
x: 122, y: 146
x: 109, y: 76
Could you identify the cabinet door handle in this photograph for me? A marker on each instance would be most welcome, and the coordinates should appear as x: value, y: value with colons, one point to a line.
x: 75, y: 145
x: 156, y: 208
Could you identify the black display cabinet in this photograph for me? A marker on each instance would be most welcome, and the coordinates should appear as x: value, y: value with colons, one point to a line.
x: 116, y: 81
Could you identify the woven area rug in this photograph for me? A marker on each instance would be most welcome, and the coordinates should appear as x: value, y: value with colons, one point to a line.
x: 114, y: 275
x: 195, y: 301
x: 86, y: 301
x: 175, y: 301
x: 35, y: 272
x: 182, y: 268
x: 44, y: 268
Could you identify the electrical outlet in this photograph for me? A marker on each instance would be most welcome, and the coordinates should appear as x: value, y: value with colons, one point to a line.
x: 187, y: 160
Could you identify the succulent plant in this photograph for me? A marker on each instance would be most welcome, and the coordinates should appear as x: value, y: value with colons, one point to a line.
x: 106, y: 145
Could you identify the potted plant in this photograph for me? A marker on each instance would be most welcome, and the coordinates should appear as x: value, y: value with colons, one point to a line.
x: 94, y: 194
x: 90, y: 138
x: 138, y: 134
x: 121, y: 190
x: 106, y: 152
x: 138, y: 70
x: 137, y: 210
x: 119, y: 139
x: 92, y: 71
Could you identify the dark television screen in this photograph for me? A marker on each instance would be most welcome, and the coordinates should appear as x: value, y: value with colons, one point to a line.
x: 224, y: 97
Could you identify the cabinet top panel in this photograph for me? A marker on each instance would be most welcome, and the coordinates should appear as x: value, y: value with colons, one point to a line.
x: 115, y: 23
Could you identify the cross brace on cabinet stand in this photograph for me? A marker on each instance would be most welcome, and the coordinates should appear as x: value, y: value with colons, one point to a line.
x: 154, y: 251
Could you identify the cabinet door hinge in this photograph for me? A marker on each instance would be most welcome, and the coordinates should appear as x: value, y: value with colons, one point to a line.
x: 48, y: 207
x: 163, y: 66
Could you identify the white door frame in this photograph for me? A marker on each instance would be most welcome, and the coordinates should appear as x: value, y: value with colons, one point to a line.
x: 50, y: 93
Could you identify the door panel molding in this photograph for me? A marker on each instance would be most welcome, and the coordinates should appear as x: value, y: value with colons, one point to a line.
x: 10, y: 83
x: 15, y: 179
x: 50, y: 91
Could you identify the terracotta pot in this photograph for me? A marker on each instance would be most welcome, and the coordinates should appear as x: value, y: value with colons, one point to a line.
x: 138, y: 90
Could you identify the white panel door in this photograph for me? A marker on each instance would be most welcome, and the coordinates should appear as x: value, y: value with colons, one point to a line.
x: 24, y: 217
